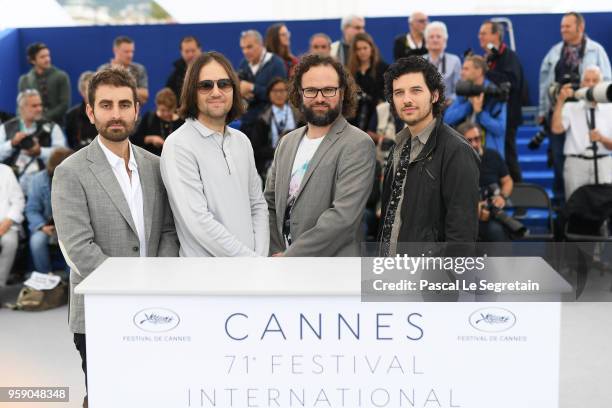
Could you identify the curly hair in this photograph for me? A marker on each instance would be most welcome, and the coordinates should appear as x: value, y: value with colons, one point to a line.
x: 348, y: 88
x: 413, y: 64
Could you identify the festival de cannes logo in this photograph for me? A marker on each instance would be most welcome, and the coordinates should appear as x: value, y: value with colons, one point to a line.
x: 156, y: 320
x: 492, y: 319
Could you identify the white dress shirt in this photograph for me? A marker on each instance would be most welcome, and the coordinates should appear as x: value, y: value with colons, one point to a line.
x: 574, y: 116
x: 12, y: 201
x: 131, y: 188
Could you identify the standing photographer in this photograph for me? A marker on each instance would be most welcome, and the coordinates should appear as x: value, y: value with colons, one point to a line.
x: 574, y: 118
x: 564, y: 63
x: 487, y: 111
x: 27, y: 140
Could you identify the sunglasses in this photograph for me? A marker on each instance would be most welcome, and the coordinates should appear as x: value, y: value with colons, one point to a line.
x: 207, y: 85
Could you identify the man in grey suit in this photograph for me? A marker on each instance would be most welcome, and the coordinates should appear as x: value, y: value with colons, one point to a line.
x: 108, y: 198
x: 321, y: 176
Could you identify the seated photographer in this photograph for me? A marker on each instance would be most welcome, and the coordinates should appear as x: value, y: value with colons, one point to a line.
x: 27, y: 140
x: 487, y: 108
x: 79, y: 129
x: 493, y: 173
x: 574, y: 118
x: 11, y: 216
x: 40, y: 216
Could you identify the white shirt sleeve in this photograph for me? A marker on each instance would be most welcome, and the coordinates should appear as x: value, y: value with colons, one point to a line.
x: 57, y: 140
x: 5, y: 145
x: 15, y: 197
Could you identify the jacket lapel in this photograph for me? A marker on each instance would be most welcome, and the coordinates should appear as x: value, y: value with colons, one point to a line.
x: 146, y: 172
x: 332, y: 137
x: 104, y: 173
x: 285, y: 165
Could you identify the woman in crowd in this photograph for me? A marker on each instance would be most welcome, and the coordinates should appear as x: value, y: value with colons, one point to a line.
x: 155, y: 127
x: 367, y: 68
x: 449, y: 65
x: 278, y: 41
x: 272, y: 124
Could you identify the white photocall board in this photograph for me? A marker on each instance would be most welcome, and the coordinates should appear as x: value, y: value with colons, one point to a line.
x: 304, y: 350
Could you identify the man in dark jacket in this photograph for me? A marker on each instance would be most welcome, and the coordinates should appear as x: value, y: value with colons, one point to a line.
x: 505, y: 66
x: 256, y: 71
x: 52, y: 83
x: 190, y: 49
x: 430, y: 191
x: 79, y: 130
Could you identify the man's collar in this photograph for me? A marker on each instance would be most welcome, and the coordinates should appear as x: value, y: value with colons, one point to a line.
x: 114, y: 160
x: 204, y: 130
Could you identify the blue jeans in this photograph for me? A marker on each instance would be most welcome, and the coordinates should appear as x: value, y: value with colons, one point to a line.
x: 39, y: 247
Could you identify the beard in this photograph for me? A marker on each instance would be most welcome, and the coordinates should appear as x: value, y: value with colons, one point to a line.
x: 415, y: 120
x: 115, y: 135
x: 321, y: 119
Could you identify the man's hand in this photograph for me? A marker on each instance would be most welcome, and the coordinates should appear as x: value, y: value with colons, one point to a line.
x: 19, y: 136
x: 246, y: 89
x: 595, y: 135
x: 483, y: 213
x: 34, y: 151
x: 5, y: 225
x: 154, y: 140
x: 499, y: 201
x: 477, y: 102
x: 49, y: 230
x: 278, y: 254
x: 565, y: 93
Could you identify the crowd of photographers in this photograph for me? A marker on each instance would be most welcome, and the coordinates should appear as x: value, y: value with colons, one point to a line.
x: 484, y: 93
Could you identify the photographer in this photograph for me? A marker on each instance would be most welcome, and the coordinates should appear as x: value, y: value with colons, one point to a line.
x: 27, y: 140
x: 564, y: 63
x: 487, y: 111
x: 493, y: 171
x: 574, y: 118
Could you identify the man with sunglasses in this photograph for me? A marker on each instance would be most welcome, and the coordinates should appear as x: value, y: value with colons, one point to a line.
x: 493, y: 171
x: 209, y: 168
x: 321, y: 175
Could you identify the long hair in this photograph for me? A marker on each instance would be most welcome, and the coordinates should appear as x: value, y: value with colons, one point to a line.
x: 189, y: 94
x: 347, y: 83
x: 353, y: 62
x: 273, y: 43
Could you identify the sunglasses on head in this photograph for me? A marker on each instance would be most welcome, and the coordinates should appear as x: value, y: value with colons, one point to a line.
x: 207, y: 85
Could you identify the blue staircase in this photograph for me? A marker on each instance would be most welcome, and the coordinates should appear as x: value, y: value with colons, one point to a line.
x: 535, y: 170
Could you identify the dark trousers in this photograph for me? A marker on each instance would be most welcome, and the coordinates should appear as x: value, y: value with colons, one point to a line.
x: 79, y: 342
x: 557, y: 142
x: 492, y: 231
x: 512, y: 155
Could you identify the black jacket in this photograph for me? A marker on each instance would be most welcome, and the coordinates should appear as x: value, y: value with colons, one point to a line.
x: 441, y: 194
x: 401, y: 48
x: 79, y: 130
x: 176, y: 78
x: 506, y: 67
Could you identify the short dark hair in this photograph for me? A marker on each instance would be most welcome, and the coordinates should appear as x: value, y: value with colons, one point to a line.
x: 415, y: 64
x: 347, y: 83
x: 273, y: 82
x: 189, y: 94
x: 189, y: 38
x: 33, y: 50
x: 58, y: 155
x: 117, y: 77
x: 579, y: 17
x: 122, y: 39
x: 496, y: 28
x: 166, y: 97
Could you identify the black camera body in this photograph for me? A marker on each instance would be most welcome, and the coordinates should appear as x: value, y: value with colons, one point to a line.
x: 555, y: 87
x: 514, y: 227
x: 469, y: 88
x: 42, y: 132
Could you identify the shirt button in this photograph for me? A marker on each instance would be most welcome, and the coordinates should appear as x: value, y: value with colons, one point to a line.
x: 135, y: 249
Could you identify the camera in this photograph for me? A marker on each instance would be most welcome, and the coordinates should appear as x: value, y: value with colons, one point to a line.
x: 555, y: 87
x: 536, y: 140
x: 468, y: 88
x: 601, y: 93
x: 514, y: 227
x: 28, y: 141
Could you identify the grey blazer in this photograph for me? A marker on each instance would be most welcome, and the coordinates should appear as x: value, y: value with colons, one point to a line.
x: 93, y: 219
x: 327, y: 213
